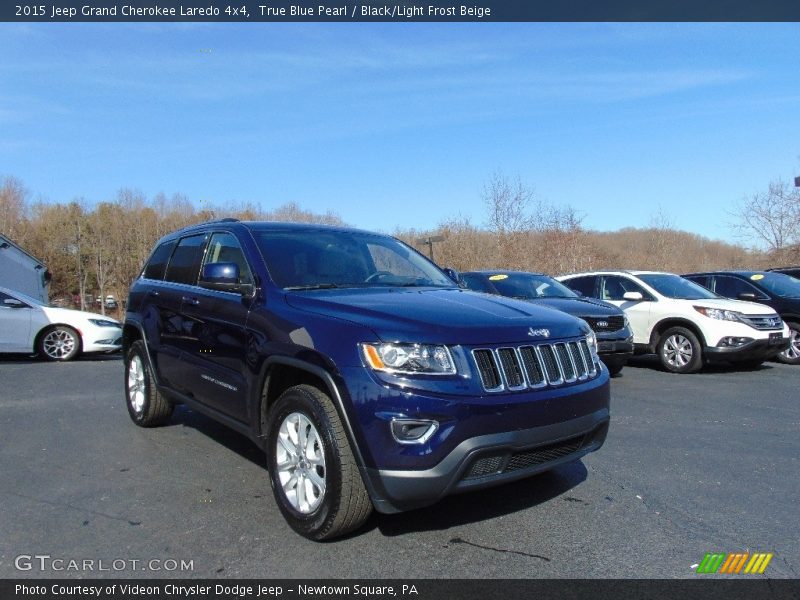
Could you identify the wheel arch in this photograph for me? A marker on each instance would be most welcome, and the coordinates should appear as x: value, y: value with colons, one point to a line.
x: 49, y: 327
x: 660, y: 327
x: 131, y: 332
x: 278, y: 374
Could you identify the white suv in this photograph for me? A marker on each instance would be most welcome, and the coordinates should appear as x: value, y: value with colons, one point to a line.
x: 684, y: 323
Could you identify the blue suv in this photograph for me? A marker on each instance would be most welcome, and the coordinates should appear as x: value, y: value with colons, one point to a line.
x: 368, y: 377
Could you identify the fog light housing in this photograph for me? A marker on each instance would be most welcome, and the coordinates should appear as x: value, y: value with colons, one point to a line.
x: 413, y: 431
x: 734, y: 342
x: 109, y: 342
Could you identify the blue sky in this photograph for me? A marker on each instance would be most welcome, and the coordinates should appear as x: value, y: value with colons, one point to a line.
x: 401, y: 124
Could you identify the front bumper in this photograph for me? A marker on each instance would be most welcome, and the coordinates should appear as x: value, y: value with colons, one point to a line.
x: 102, y: 339
x: 757, y: 349
x: 615, y: 352
x: 489, y: 460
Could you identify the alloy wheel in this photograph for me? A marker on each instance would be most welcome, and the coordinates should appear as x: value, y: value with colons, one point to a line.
x: 301, y: 463
x: 678, y: 351
x: 58, y: 344
x: 136, y: 385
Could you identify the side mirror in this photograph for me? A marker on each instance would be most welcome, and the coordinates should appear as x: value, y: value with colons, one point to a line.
x: 747, y: 296
x: 633, y: 296
x: 14, y: 303
x: 221, y: 276
x: 577, y: 293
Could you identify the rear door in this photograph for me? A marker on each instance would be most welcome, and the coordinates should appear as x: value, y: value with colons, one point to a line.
x: 165, y: 300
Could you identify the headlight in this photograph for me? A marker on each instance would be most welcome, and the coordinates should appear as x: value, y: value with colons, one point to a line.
x: 625, y: 321
x: 410, y: 359
x: 718, y: 313
x: 591, y: 341
x: 103, y: 323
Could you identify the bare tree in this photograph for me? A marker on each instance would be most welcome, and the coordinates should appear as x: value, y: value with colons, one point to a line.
x: 771, y: 218
x: 12, y: 207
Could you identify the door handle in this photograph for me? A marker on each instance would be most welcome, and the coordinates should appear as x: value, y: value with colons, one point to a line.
x: 192, y: 301
x: 152, y: 293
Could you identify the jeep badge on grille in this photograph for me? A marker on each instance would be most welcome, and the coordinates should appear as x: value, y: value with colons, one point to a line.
x: 538, y: 332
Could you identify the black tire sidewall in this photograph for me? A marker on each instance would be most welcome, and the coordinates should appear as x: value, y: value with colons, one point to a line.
x: 137, y: 350
x: 313, y: 525
x: 697, y: 350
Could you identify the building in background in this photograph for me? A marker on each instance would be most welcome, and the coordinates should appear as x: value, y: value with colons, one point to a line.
x: 22, y: 272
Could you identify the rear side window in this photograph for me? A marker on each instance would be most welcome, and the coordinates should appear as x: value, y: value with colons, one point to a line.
x: 584, y: 285
x: 158, y: 261
x: 185, y: 262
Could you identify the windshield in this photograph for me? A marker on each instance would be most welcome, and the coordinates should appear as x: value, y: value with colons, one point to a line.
x: 306, y: 259
x: 529, y: 286
x: 27, y: 299
x: 675, y: 286
x: 778, y: 284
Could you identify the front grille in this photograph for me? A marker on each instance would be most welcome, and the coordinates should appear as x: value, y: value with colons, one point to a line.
x: 763, y: 322
x: 543, y: 454
x: 529, y: 366
x: 524, y: 459
x: 604, y: 324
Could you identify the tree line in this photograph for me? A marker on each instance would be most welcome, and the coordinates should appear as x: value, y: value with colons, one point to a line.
x: 97, y: 250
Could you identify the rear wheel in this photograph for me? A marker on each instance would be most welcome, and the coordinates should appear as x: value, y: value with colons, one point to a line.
x: 59, y: 343
x: 680, y: 351
x: 313, y: 473
x: 146, y: 405
x: 791, y: 356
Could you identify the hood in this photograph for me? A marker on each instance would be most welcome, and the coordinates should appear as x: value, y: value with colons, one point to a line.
x: 748, y: 308
x: 444, y: 316
x: 71, y: 317
x: 580, y: 307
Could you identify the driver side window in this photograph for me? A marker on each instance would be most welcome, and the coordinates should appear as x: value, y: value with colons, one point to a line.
x: 614, y: 287
x: 225, y: 248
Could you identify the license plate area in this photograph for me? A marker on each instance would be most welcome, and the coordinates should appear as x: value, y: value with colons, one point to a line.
x: 775, y: 338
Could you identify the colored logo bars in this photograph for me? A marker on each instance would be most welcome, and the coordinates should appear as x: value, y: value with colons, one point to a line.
x: 734, y: 562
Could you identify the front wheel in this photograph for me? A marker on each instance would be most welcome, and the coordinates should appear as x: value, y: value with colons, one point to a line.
x: 59, y: 343
x: 680, y: 351
x: 314, y: 476
x: 791, y: 356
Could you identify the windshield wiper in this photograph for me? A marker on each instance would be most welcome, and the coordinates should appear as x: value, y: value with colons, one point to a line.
x: 316, y: 286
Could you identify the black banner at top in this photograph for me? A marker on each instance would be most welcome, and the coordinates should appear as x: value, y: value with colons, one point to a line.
x: 398, y: 10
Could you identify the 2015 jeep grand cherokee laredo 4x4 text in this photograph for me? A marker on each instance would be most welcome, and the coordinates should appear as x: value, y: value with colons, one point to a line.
x: 367, y: 375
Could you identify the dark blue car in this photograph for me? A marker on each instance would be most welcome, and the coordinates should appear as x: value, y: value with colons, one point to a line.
x: 614, y: 335
x: 367, y: 375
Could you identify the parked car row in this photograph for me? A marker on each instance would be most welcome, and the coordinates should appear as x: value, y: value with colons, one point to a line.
x: 685, y: 324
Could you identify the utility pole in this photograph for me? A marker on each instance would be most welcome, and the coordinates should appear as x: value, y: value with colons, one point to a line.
x: 429, y: 242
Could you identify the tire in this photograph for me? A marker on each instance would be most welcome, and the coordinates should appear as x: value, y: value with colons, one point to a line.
x: 146, y: 405
x: 59, y: 343
x: 680, y: 351
x: 791, y: 356
x: 614, y: 369
x: 317, y: 487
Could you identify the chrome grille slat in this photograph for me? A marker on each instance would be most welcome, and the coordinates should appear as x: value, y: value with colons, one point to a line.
x: 511, y: 367
x: 565, y: 363
x: 550, y: 363
x: 533, y: 366
x: 763, y: 322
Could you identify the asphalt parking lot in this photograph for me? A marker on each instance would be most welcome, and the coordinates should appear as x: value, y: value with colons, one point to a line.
x: 693, y: 464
